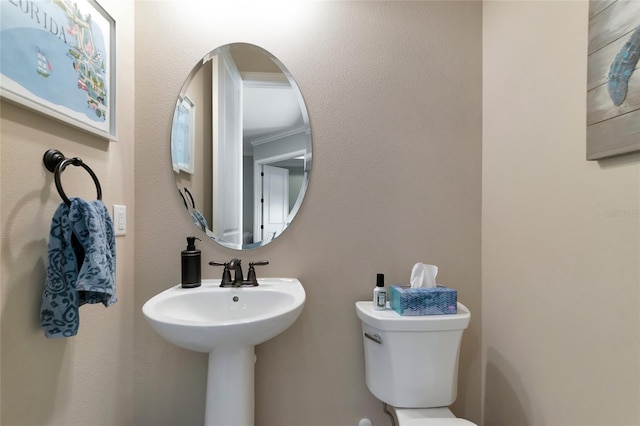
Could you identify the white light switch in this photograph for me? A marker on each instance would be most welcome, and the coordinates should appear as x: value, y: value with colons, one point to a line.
x: 120, y: 219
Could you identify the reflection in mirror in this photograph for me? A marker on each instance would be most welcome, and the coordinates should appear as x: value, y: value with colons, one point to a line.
x: 241, y: 146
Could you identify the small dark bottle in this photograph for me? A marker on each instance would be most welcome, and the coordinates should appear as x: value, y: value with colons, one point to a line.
x: 191, y: 264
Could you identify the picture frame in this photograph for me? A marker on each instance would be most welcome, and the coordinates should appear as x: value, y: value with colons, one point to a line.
x: 183, y: 136
x: 613, y: 88
x: 58, y: 58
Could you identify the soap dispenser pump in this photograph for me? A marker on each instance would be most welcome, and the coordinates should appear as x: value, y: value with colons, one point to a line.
x: 191, y: 259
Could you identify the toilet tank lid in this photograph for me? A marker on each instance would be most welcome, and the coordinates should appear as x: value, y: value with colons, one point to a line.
x: 390, y: 320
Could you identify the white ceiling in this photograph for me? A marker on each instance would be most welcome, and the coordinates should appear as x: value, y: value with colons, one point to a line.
x: 269, y: 108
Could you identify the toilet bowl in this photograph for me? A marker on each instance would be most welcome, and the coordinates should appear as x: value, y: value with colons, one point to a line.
x: 411, y: 362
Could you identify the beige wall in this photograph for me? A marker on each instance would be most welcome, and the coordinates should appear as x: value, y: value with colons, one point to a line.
x: 86, y: 379
x: 393, y: 91
x: 561, y: 236
x: 395, y: 114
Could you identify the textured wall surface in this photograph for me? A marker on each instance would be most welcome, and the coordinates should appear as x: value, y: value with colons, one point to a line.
x: 560, y: 235
x: 393, y: 91
x: 86, y: 379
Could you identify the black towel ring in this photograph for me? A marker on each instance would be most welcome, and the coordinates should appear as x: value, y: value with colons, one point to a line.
x: 193, y: 204
x: 183, y: 199
x: 56, y: 162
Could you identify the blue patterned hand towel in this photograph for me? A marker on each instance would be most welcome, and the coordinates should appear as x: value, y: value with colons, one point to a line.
x: 82, y: 265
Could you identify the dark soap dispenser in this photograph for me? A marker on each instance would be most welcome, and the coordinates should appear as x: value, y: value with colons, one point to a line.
x: 191, y: 264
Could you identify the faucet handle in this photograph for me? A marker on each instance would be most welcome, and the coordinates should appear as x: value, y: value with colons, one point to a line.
x: 226, y: 274
x: 252, y: 279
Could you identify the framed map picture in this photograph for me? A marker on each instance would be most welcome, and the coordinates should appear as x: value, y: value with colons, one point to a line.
x: 57, y: 57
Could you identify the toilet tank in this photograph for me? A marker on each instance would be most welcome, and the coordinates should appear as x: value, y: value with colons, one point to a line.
x: 412, y: 361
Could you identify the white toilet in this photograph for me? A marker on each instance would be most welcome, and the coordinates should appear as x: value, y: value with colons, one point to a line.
x: 411, y: 363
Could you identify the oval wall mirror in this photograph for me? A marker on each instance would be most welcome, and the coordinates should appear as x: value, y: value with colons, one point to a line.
x: 241, y: 146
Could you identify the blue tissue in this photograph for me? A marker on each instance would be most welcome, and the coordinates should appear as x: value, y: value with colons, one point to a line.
x: 423, y: 301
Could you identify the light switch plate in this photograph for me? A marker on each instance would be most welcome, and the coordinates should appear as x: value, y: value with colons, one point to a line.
x: 120, y: 219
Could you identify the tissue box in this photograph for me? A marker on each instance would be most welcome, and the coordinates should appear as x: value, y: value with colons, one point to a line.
x: 423, y: 301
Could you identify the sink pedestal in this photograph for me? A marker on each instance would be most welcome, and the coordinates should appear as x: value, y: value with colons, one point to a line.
x: 230, y: 387
x: 226, y: 323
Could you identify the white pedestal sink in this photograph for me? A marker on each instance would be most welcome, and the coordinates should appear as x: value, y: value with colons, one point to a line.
x: 226, y: 323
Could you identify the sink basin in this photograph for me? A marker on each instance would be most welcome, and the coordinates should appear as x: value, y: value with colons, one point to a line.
x: 226, y: 323
x: 206, y: 317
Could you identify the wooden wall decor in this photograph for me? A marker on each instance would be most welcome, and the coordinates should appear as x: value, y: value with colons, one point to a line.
x: 613, y: 88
